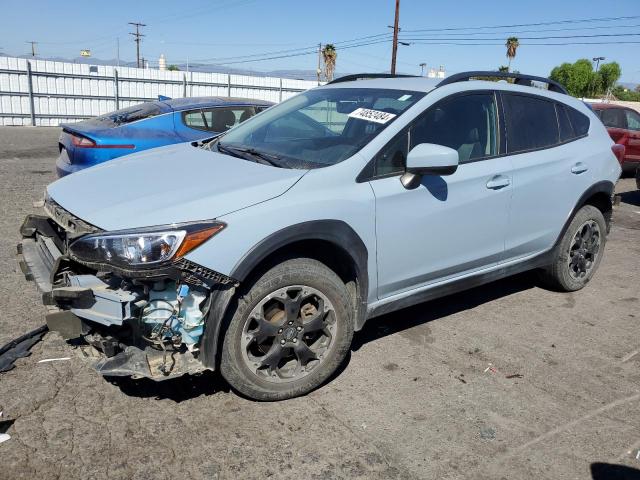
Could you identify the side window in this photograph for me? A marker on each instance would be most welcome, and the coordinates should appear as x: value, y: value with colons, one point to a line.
x: 221, y: 119
x: 579, y: 121
x: 633, y: 120
x: 466, y: 123
x: 194, y: 119
x: 613, y: 118
x: 531, y: 123
x: 566, y: 130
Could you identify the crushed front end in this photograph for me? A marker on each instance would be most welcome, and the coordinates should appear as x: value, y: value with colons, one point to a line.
x: 129, y: 295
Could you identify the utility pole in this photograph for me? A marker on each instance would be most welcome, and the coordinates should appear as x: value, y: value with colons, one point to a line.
x: 422, y: 67
x: 319, y: 70
x: 118, y: 51
x: 138, y: 38
x: 394, y: 52
x: 33, y: 48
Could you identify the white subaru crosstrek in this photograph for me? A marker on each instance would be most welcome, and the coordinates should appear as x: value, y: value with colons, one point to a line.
x: 260, y: 252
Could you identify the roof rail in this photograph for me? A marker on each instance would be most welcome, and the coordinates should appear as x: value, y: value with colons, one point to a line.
x: 366, y: 76
x: 520, y: 79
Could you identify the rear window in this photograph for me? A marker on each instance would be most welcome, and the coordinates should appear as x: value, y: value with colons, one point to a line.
x: 130, y: 114
x: 531, y: 123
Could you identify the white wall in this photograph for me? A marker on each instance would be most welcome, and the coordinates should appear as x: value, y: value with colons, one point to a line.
x: 67, y: 92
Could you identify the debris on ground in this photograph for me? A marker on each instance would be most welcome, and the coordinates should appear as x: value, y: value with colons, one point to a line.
x: 19, y: 347
x: 4, y: 426
x: 491, y: 369
x: 459, y: 377
x: 515, y: 375
x: 487, y: 433
x: 60, y: 359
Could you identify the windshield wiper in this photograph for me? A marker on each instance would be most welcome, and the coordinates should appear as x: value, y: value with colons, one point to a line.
x: 260, y: 157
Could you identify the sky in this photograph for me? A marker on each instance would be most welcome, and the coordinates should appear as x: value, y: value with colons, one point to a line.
x: 460, y: 35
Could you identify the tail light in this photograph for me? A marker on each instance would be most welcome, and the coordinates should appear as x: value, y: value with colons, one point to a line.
x: 618, y: 150
x: 84, y: 142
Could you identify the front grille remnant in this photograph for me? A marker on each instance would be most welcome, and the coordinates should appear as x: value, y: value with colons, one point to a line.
x: 194, y: 272
x: 66, y: 220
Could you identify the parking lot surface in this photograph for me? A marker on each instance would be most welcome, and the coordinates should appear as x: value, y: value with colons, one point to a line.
x: 503, y: 381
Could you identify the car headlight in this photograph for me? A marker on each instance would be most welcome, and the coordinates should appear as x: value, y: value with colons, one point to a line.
x: 140, y: 248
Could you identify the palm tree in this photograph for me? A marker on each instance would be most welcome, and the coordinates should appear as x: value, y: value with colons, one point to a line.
x: 512, y: 46
x: 329, y: 56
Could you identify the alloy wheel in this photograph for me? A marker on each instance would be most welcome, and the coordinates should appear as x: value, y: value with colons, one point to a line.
x: 288, y: 333
x: 584, y: 250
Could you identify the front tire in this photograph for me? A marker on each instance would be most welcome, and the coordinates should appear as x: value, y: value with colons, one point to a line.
x: 578, y: 255
x: 288, y: 333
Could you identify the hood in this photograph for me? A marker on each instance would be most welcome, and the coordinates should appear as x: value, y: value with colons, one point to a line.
x: 178, y: 183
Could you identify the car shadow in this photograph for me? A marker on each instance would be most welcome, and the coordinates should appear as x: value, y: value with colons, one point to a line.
x: 608, y: 471
x: 422, y: 313
x: 209, y: 383
x: 632, y: 198
x: 177, y: 389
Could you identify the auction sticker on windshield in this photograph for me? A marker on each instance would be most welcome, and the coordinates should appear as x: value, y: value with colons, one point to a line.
x: 372, y: 115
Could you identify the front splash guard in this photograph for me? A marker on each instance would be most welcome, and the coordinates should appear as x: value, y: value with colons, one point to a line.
x: 134, y: 362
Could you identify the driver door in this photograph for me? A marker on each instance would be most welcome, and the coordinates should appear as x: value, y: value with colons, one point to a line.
x: 449, y: 225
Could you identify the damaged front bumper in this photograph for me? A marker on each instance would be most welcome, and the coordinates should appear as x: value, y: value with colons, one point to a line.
x: 147, y: 324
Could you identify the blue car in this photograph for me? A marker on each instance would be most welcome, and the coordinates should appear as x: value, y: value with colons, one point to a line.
x: 149, y: 125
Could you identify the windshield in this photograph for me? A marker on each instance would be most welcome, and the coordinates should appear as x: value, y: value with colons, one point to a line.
x: 317, y: 128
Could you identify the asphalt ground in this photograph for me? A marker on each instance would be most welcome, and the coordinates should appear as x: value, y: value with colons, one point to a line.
x: 505, y: 381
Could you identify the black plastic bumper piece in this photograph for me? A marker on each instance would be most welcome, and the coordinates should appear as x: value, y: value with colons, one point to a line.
x: 66, y: 323
x: 19, y: 348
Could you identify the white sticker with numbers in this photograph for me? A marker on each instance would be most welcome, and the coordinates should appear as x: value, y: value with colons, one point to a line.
x: 372, y: 115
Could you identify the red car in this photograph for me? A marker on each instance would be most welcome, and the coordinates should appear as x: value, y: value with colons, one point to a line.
x: 623, y: 125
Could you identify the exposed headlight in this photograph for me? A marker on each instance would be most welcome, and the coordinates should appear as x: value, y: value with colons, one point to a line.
x: 143, y: 247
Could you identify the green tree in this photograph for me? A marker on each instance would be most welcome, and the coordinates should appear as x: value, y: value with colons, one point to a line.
x: 503, y: 68
x: 512, y: 47
x: 329, y: 56
x: 562, y: 74
x: 610, y: 73
x: 581, y: 81
x: 173, y: 68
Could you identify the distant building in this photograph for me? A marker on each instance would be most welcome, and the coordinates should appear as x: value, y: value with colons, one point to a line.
x: 439, y: 73
x: 162, y: 62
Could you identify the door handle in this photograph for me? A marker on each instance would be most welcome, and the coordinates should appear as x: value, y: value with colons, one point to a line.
x: 579, y: 168
x: 498, y: 182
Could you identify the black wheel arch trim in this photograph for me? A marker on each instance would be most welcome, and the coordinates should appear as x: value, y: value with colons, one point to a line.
x: 336, y: 232
x: 605, y: 187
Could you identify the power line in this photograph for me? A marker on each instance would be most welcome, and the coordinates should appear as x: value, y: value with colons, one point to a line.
x: 558, y: 22
x: 527, y: 44
x: 512, y: 32
x: 138, y: 38
x: 554, y: 37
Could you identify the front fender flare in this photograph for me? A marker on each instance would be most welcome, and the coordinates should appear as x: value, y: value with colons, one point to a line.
x: 336, y: 232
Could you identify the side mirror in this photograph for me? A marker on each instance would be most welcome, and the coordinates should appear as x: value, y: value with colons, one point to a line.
x: 428, y: 159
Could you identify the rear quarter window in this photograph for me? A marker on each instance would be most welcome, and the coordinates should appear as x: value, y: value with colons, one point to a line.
x: 531, y: 123
x: 579, y: 121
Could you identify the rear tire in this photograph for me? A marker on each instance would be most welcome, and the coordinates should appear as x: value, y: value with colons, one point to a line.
x: 288, y: 333
x: 577, y: 257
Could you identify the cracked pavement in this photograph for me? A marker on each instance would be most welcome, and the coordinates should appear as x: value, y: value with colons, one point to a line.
x: 503, y: 381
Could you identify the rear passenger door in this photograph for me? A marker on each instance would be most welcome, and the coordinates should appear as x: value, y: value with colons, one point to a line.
x: 448, y: 225
x: 550, y: 167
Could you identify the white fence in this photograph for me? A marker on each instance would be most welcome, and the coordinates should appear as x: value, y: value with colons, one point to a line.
x: 41, y: 92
